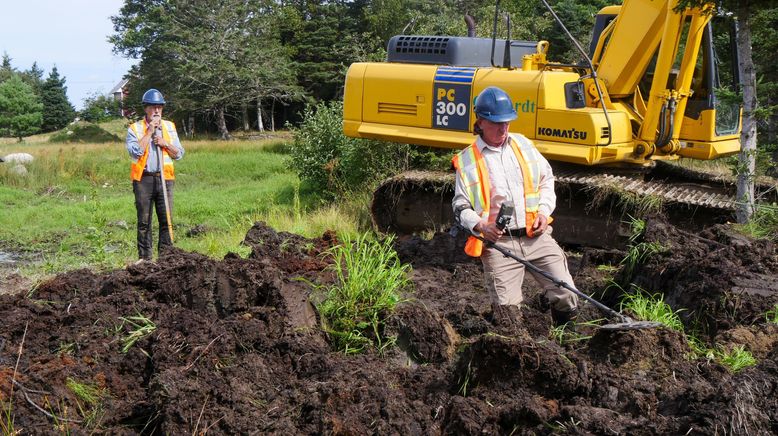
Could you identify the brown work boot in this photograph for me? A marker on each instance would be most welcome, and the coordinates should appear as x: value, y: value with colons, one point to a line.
x: 567, y: 318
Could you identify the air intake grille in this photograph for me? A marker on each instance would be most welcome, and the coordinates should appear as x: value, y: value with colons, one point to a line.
x: 606, y: 132
x: 422, y: 44
x: 396, y: 108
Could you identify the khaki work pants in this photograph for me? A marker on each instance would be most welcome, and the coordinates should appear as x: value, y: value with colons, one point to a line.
x: 504, y: 275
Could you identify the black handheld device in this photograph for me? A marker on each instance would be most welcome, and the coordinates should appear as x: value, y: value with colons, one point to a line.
x: 505, y: 215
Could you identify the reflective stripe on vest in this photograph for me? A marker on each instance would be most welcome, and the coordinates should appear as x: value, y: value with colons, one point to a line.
x: 474, y: 173
x: 138, y: 165
x: 527, y: 155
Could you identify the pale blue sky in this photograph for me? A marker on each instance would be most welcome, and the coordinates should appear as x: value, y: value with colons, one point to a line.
x: 71, y: 34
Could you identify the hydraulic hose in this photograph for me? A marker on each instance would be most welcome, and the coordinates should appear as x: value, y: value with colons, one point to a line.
x: 666, y: 123
x: 660, y: 137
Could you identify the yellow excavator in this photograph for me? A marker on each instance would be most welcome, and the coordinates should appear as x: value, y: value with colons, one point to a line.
x: 647, y: 93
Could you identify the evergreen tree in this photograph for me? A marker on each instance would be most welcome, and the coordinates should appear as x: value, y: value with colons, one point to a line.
x: 765, y: 44
x: 6, y: 70
x: 21, y: 114
x: 34, y: 78
x: 57, y: 110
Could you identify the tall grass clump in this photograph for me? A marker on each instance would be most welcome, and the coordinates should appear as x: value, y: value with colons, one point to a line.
x: 651, y: 308
x: 638, y: 252
x: 735, y: 359
x: 763, y: 223
x: 611, y: 193
x: 335, y: 164
x: 368, y: 286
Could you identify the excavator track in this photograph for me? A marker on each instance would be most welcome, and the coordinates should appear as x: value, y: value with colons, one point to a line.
x: 594, y: 205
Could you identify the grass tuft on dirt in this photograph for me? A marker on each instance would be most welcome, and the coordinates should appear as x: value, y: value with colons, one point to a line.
x: 368, y: 286
x: 651, y: 308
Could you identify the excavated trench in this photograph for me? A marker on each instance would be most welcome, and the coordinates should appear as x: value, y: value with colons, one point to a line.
x: 237, y: 347
x: 594, y: 205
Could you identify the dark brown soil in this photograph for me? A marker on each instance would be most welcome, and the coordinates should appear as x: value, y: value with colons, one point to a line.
x: 238, y: 348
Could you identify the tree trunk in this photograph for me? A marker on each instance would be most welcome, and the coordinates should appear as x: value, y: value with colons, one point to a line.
x: 222, y: 124
x: 747, y: 157
x: 260, y: 125
x: 246, y: 123
x: 191, y: 126
x: 772, y: 122
x: 273, y: 116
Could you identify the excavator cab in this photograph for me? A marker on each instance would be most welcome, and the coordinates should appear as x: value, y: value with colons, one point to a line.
x: 677, y: 70
x: 716, y: 78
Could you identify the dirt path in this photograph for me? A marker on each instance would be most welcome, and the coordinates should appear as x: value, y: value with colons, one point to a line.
x: 236, y: 348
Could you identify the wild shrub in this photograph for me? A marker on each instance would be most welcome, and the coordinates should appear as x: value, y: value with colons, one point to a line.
x: 327, y: 160
x: 99, y: 108
x: 368, y: 286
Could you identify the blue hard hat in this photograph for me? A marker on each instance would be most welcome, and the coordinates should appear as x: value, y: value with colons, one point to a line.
x: 152, y: 96
x: 495, y: 105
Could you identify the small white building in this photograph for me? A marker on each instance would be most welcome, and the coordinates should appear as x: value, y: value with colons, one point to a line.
x: 119, y: 92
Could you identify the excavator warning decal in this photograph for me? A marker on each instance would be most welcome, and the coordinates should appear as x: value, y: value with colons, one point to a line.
x: 451, y: 97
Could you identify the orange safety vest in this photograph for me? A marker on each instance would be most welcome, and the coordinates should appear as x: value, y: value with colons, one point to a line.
x: 471, y: 168
x: 138, y: 165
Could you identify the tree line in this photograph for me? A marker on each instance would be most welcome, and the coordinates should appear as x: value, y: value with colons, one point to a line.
x: 30, y: 104
x: 256, y: 64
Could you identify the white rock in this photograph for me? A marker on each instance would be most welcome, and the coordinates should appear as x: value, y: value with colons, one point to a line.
x: 20, y: 158
x: 19, y: 169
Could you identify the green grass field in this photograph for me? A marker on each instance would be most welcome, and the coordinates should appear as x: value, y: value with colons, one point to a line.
x: 75, y: 207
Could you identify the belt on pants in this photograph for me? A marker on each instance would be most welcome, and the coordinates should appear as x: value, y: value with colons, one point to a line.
x: 151, y: 173
x: 516, y: 233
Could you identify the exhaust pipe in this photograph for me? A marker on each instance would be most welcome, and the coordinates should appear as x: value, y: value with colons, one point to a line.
x: 470, y: 26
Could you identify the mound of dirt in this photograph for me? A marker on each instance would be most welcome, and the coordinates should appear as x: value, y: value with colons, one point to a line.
x: 718, y: 279
x: 189, y: 345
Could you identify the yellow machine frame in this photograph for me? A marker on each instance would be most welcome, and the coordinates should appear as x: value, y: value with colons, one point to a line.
x: 419, y: 103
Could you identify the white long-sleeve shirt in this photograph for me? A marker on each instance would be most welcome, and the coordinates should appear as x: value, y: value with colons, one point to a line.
x: 506, y: 185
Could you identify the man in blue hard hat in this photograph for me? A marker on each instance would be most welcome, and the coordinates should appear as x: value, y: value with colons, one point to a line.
x: 153, y: 144
x: 505, y: 168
